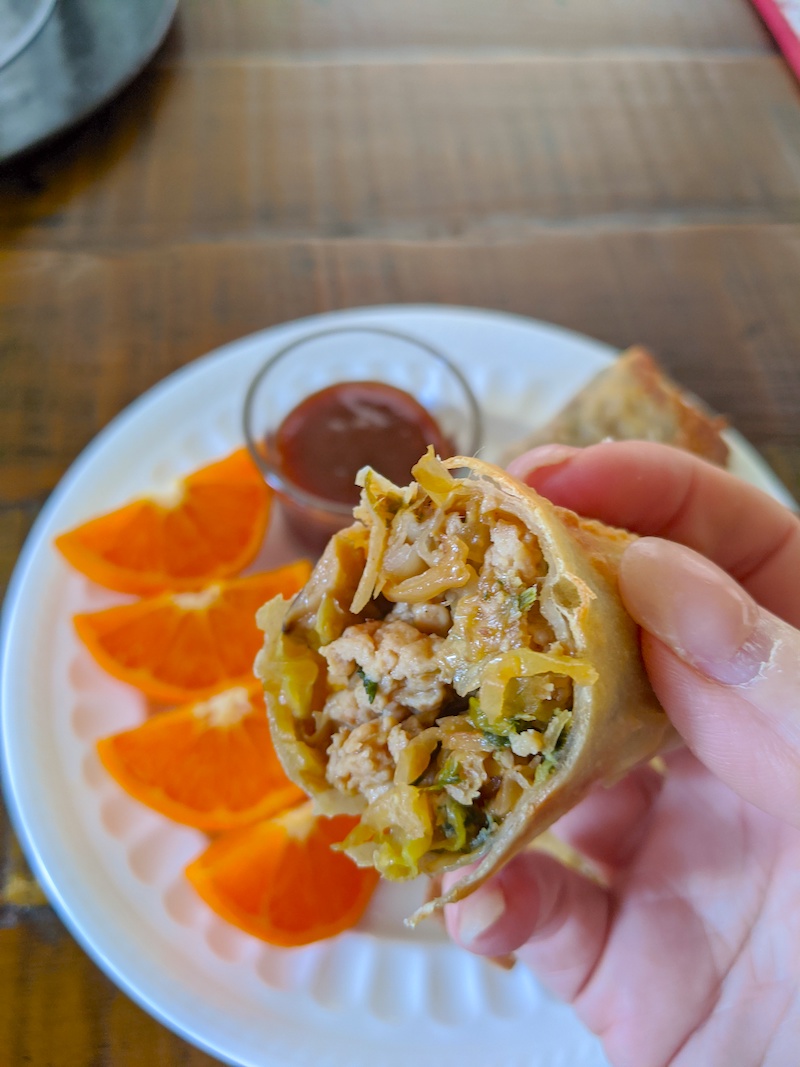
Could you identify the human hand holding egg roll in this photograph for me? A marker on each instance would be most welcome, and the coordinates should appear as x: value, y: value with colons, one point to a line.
x: 689, y: 952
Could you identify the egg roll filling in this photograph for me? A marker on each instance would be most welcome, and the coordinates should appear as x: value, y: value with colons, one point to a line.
x: 420, y: 671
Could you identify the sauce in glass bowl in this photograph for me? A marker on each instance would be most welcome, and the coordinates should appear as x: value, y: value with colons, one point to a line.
x: 333, y: 401
x: 323, y: 442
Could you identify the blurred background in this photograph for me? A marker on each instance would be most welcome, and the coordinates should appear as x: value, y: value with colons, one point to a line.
x: 629, y: 169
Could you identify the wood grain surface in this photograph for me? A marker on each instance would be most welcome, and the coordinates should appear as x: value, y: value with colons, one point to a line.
x: 629, y: 169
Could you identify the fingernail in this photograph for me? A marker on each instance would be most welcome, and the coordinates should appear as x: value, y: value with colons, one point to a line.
x: 695, y: 608
x: 478, y: 913
x: 537, y: 463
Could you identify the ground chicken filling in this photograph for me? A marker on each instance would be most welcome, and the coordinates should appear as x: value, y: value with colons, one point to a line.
x: 440, y: 692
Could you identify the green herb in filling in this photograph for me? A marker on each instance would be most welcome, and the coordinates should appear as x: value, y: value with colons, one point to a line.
x: 484, y: 831
x: 449, y: 774
x: 451, y: 819
x: 554, y: 737
x: 527, y: 598
x: 498, y: 732
x: 370, y: 686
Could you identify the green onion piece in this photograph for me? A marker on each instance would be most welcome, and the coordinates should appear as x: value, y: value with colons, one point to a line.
x: 496, y: 733
x: 527, y: 598
x: 370, y: 685
x: 450, y: 774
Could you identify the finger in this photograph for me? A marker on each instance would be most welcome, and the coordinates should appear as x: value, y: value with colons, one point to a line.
x: 542, y: 456
x: 655, y: 490
x: 553, y: 918
x: 610, y: 824
x: 726, y: 671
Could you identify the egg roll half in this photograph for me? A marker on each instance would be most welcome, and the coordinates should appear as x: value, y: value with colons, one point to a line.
x: 459, y: 671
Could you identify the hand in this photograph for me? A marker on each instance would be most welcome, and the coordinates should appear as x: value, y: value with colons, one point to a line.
x: 689, y: 954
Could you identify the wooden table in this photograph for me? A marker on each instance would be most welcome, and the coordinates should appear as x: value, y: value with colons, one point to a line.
x: 628, y: 169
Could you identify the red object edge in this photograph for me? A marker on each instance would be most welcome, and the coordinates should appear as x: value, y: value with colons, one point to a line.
x: 781, y: 29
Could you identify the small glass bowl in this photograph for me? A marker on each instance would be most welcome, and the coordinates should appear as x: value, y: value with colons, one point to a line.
x: 350, y: 354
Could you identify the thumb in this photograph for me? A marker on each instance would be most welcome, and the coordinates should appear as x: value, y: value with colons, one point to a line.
x: 726, y: 671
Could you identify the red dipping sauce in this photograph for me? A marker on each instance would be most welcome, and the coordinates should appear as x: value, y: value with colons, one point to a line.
x: 323, y: 442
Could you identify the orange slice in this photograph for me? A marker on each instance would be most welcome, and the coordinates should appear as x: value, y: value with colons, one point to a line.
x: 210, y: 765
x: 209, y: 525
x: 179, y: 647
x: 280, y: 880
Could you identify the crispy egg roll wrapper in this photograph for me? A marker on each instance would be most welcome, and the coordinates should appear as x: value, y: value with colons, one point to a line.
x: 633, y: 399
x: 616, y: 722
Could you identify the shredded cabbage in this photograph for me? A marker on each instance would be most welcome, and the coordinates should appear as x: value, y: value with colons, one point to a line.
x: 380, y: 502
x: 399, y: 826
x: 449, y: 571
x: 414, y: 759
x: 330, y: 620
x: 434, y: 477
x: 524, y: 663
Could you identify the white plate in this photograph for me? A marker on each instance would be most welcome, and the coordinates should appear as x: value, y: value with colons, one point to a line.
x: 113, y: 869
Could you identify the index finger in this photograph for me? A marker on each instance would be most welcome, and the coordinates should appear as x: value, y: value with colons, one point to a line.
x: 659, y: 491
